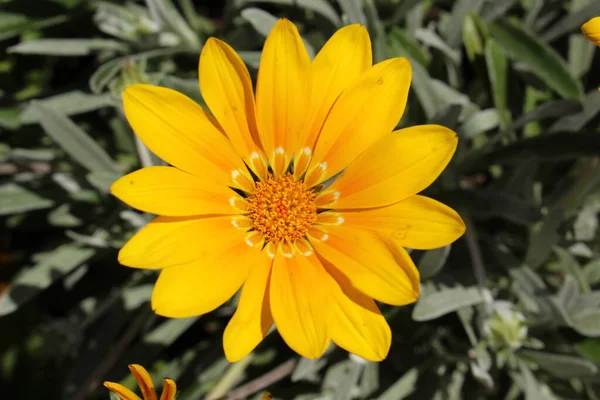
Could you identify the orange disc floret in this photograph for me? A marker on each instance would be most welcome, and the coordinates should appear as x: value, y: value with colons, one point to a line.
x: 282, y: 209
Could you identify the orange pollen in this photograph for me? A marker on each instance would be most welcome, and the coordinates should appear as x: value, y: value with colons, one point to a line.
x: 282, y: 208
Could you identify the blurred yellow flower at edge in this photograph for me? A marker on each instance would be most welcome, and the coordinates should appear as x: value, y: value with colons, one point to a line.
x: 144, y: 381
x: 591, y: 30
x: 244, y: 205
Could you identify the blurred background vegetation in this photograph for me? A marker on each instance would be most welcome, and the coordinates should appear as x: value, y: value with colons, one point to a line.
x: 510, y: 311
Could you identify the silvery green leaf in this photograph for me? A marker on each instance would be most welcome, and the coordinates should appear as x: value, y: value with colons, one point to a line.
x: 102, y: 180
x: 445, y: 301
x: 252, y: 58
x: 576, y: 122
x: 135, y: 296
x: 430, y: 38
x: 74, y: 140
x: 561, y: 365
x: 568, y: 293
x: 495, y: 9
x: 522, y: 45
x: 66, y: 47
x: 16, y: 199
x: 480, y: 122
x: 167, y: 332
x: 531, y: 385
x: 69, y: 103
x: 587, y: 321
x: 461, y: 8
x: 569, y: 265
x: 167, y: 13
x: 50, y: 267
x: 353, y: 10
x: 403, y: 387
x: 550, y: 109
x: 432, y: 261
x: 581, y: 55
x: 591, y: 272
x: 308, y: 370
x: 571, y: 22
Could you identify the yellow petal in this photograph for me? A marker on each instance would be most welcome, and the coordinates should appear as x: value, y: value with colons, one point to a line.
x: 169, y: 191
x: 165, y: 242
x: 399, y: 165
x: 366, y: 111
x: 300, y: 300
x: 342, y: 60
x: 169, y: 390
x: 282, y: 90
x: 200, y: 287
x: 121, y: 391
x: 417, y: 222
x: 356, y: 323
x: 144, y: 381
x: 368, y: 263
x: 591, y: 30
x: 180, y: 132
x: 252, y: 320
x: 227, y: 89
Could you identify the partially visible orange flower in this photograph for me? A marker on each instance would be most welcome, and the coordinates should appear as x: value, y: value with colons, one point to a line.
x: 144, y: 381
x: 591, y: 30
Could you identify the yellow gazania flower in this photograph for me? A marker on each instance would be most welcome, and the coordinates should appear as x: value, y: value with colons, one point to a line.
x: 244, y: 204
x: 144, y: 381
x: 591, y: 30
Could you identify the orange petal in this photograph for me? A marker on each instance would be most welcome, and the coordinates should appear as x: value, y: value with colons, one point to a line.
x: 399, y: 165
x: 282, y: 90
x: 169, y: 191
x: 144, y: 381
x: 121, y: 391
x: 200, y: 287
x: 356, y: 323
x: 366, y: 111
x: 371, y: 266
x: 300, y: 298
x: 591, y: 30
x: 165, y: 242
x: 169, y: 389
x: 417, y: 222
x: 180, y: 132
x: 252, y: 320
x: 342, y: 60
x: 227, y: 89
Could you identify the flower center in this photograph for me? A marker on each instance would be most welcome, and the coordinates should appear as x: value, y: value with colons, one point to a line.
x: 282, y: 208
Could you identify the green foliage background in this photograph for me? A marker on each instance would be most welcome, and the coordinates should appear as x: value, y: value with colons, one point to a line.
x: 510, y: 311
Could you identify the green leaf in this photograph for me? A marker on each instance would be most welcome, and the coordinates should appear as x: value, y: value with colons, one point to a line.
x: 167, y: 13
x: 353, y: 11
x: 555, y: 146
x: 522, y: 46
x: 445, y: 301
x: 429, y: 38
x: 580, y: 55
x: 16, y: 199
x: 497, y: 67
x: 591, y: 272
x: 571, y: 22
x: 587, y: 322
x: 480, y: 122
x: 29, y: 282
x: 66, y: 47
x: 549, y: 109
x: 432, y: 261
x: 560, y: 365
x: 167, y: 332
x: 460, y: 10
x: 569, y: 265
x: 576, y: 122
x: 69, y: 103
x: 590, y: 349
x: 403, y: 45
x: 74, y: 140
x: 263, y: 22
x: 102, y: 180
x: 321, y: 7
x: 13, y: 24
x: 568, y: 293
x: 403, y: 387
x: 495, y: 9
